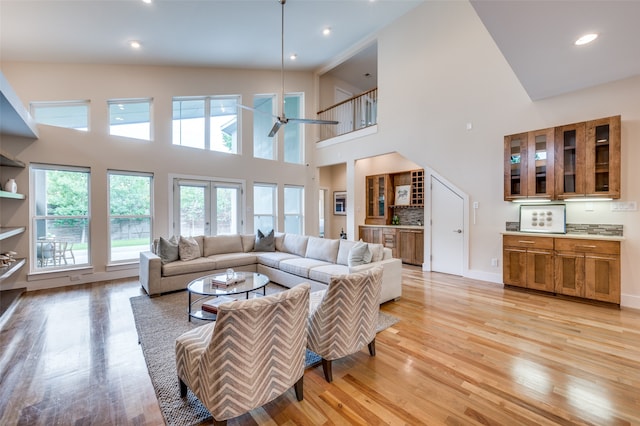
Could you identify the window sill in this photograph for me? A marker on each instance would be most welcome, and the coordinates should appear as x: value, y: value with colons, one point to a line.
x: 123, y: 266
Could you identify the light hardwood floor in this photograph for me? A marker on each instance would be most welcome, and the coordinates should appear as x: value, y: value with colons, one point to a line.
x: 465, y: 352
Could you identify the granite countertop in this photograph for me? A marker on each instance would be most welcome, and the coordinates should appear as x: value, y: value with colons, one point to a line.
x: 397, y: 226
x: 578, y: 236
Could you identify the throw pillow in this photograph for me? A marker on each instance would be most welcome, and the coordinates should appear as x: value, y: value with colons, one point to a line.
x: 188, y: 248
x: 359, y: 254
x: 168, y: 250
x: 265, y: 243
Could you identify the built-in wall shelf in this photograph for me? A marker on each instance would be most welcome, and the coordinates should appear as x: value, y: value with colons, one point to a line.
x: 16, y: 120
x: 7, y: 271
x: 8, y: 160
x: 14, y: 195
x: 7, y: 232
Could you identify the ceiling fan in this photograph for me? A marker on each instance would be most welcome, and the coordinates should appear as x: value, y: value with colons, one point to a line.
x: 282, y: 119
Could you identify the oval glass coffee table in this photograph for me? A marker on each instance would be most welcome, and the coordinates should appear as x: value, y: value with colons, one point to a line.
x: 205, y: 288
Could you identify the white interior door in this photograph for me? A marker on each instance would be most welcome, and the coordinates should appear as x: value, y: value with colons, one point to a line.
x: 447, y: 229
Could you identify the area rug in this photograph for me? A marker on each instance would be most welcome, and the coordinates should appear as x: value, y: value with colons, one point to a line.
x: 159, y: 321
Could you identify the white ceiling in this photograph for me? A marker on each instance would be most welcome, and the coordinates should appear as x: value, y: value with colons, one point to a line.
x: 535, y: 36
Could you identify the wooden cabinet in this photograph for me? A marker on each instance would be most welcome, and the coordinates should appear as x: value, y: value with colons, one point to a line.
x: 417, y: 187
x: 405, y: 243
x: 528, y: 262
x: 588, y: 268
x: 588, y: 159
x: 390, y: 240
x: 528, y: 165
x: 378, y: 197
x: 602, y: 159
x: 569, y: 161
x: 577, y: 267
x: 371, y: 234
x: 411, y: 246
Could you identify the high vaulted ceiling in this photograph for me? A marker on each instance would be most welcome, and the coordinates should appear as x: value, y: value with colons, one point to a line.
x: 536, y: 37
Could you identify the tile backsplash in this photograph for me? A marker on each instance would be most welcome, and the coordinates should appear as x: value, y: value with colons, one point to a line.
x: 579, y: 228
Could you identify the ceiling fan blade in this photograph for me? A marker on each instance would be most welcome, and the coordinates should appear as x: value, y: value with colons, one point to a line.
x: 256, y: 110
x: 275, y: 128
x: 313, y: 121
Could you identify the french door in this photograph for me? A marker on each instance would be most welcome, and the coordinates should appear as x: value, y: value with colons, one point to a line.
x: 203, y: 207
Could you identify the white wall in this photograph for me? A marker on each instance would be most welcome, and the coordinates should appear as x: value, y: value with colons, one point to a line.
x: 439, y: 69
x: 101, y: 152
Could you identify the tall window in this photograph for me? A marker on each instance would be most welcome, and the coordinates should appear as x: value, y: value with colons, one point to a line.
x: 293, y: 209
x: 207, y: 207
x: 69, y: 114
x: 60, y: 220
x: 293, y: 132
x: 130, y: 209
x: 130, y: 118
x: 217, y: 133
x: 264, y: 207
x: 263, y: 145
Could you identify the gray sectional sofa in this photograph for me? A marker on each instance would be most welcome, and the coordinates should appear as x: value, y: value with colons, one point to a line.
x: 296, y: 259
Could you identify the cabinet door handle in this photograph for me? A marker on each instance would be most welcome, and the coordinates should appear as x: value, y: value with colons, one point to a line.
x: 526, y: 242
x: 584, y: 246
x: 458, y: 231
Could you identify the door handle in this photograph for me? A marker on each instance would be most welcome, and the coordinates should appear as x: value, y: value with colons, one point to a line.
x: 458, y: 231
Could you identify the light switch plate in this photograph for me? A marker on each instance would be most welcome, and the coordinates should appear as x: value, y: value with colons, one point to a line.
x: 624, y: 206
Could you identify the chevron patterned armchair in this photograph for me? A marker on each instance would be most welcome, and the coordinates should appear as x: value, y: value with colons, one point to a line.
x: 252, y: 354
x: 343, y: 318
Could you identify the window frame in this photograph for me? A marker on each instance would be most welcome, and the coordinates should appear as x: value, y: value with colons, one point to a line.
x: 125, y: 101
x: 35, y: 105
x: 207, y: 107
x: 34, y: 218
x: 300, y: 209
x: 149, y: 216
x: 274, y: 206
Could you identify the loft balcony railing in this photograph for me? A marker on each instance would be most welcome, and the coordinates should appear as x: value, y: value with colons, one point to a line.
x: 352, y: 114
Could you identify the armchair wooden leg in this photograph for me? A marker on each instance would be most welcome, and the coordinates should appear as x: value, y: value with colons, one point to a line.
x: 372, y: 347
x: 299, y: 389
x: 183, y: 388
x: 326, y: 367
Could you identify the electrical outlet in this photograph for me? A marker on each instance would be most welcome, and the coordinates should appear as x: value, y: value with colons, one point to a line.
x: 494, y: 262
x: 624, y: 206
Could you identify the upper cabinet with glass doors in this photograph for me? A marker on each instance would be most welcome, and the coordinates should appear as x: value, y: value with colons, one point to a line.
x: 569, y: 161
x: 529, y: 165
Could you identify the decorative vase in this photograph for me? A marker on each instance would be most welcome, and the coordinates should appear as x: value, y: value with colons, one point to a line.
x: 11, y: 186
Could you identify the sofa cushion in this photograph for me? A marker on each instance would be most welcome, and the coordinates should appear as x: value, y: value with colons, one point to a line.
x: 200, y: 240
x: 264, y: 242
x: 232, y: 260
x: 222, y: 244
x: 325, y: 272
x: 279, y: 237
x: 295, y: 244
x: 273, y: 258
x: 168, y: 250
x: 248, y: 242
x: 300, y: 266
x: 359, y: 254
x: 322, y: 249
x: 201, y: 264
x: 188, y: 248
x: 377, y: 252
x: 343, y: 251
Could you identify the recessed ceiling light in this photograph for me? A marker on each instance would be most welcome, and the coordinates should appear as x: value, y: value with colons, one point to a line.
x: 293, y: 57
x: 326, y: 31
x: 146, y: 1
x: 585, y: 39
x: 135, y: 44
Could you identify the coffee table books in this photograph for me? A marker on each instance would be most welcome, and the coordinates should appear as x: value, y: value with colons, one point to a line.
x: 221, y: 280
x: 211, y: 305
